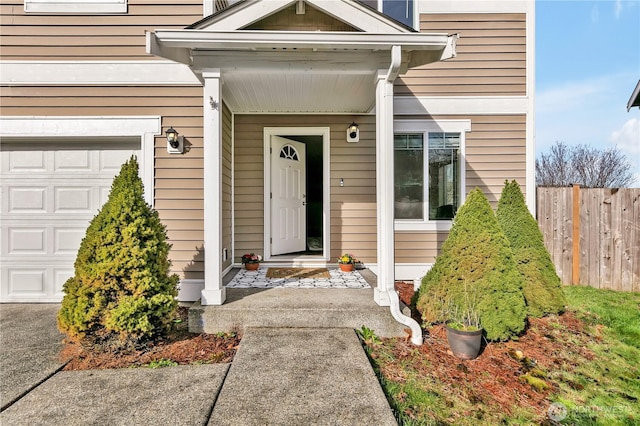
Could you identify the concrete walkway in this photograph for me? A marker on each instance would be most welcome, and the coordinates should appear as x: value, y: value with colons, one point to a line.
x: 279, y: 377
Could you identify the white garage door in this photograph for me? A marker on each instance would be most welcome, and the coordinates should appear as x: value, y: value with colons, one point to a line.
x: 50, y: 192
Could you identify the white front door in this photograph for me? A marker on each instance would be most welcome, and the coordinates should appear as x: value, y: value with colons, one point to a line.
x: 288, y: 192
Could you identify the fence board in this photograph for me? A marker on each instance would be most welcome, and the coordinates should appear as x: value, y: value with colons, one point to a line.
x: 609, y: 235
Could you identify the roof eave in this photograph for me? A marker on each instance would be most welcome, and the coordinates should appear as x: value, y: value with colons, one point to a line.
x: 177, y: 44
x: 634, y: 100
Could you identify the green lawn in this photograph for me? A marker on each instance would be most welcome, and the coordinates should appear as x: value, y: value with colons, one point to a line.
x: 586, y: 363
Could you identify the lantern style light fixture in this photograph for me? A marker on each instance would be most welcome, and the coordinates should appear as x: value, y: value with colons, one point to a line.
x: 353, y: 132
x: 174, y: 141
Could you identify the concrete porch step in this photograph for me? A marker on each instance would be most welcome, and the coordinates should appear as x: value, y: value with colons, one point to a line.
x: 295, y: 308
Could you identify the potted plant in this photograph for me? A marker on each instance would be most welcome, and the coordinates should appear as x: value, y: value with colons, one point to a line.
x: 251, y: 261
x: 464, y: 331
x: 347, y: 262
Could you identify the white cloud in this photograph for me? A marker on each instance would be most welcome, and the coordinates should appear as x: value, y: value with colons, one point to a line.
x: 627, y: 138
x: 618, y: 8
x: 594, y: 13
x: 569, y: 95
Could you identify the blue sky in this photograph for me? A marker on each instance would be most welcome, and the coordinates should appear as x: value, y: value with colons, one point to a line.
x: 587, y: 65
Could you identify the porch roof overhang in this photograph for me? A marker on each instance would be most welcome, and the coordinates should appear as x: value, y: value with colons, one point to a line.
x: 301, y: 72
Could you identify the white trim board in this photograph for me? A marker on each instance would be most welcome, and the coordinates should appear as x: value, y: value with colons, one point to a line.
x: 474, y: 6
x: 47, y: 128
x: 325, y: 132
x: 461, y: 105
x: 102, y: 73
x: 75, y: 6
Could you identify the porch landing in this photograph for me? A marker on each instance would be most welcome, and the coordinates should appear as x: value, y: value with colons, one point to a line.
x: 284, y: 307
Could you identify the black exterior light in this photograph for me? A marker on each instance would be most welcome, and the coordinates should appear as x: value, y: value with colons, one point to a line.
x: 174, y: 141
x: 353, y: 133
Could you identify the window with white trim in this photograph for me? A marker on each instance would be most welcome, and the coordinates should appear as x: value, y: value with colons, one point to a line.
x: 400, y: 10
x: 75, y: 6
x: 429, y: 172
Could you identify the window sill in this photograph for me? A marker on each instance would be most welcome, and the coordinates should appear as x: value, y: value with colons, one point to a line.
x: 418, y: 225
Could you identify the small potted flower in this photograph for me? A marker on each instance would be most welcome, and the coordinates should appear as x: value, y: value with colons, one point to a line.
x: 251, y: 261
x: 347, y: 262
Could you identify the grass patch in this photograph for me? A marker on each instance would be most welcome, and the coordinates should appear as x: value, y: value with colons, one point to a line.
x: 585, y: 364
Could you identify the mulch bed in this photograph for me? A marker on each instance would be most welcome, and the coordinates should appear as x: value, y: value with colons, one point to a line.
x: 179, y: 346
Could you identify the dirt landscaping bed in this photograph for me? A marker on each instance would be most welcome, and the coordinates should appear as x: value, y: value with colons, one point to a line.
x: 179, y: 347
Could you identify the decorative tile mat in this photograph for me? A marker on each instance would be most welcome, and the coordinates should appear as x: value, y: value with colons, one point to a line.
x: 258, y: 279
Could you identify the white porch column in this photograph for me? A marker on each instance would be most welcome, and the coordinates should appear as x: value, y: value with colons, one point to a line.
x: 384, y: 179
x: 214, y: 291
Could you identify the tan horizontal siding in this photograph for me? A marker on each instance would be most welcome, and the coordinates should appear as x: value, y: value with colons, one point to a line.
x: 490, y: 61
x: 89, y: 37
x: 312, y: 20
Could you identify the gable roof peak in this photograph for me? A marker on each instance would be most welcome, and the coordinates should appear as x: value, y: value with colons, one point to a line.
x: 244, y: 13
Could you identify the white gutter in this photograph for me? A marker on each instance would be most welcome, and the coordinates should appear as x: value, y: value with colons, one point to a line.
x: 251, y: 40
x: 394, y: 300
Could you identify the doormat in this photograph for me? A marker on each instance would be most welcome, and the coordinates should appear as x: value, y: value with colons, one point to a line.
x: 298, y: 273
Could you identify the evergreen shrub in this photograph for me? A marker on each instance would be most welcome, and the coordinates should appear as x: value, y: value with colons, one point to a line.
x: 475, y: 271
x: 122, y: 291
x: 542, y: 288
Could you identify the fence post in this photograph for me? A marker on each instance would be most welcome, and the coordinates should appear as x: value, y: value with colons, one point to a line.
x: 575, y: 256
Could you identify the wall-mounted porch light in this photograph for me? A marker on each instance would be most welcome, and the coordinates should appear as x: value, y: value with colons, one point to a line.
x: 174, y: 141
x: 353, y: 133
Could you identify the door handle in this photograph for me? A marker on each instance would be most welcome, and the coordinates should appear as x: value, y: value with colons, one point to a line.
x: 304, y: 203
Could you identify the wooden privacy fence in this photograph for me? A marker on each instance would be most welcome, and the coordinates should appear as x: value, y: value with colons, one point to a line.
x: 593, y: 235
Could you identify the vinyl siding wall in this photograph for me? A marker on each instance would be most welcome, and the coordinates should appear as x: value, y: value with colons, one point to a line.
x: 90, y: 37
x: 491, y: 58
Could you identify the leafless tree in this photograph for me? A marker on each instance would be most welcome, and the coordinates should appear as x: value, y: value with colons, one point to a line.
x: 590, y: 167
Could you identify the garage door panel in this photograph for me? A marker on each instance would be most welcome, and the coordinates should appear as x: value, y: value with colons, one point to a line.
x: 75, y: 199
x: 30, y: 282
x: 71, y: 161
x: 26, y: 241
x: 26, y: 199
x: 110, y: 161
x: 25, y: 162
x: 67, y: 240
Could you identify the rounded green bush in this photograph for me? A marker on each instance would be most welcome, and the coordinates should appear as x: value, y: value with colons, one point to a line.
x: 475, y: 271
x: 122, y: 289
x: 542, y: 288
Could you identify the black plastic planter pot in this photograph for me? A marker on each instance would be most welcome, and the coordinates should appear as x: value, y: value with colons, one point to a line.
x: 464, y: 344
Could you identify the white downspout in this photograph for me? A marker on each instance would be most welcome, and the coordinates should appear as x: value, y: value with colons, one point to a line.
x: 394, y: 300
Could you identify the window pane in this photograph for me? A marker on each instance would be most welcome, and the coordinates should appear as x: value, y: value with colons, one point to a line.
x: 444, y: 174
x: 400, y: 10
x: 409, y: 176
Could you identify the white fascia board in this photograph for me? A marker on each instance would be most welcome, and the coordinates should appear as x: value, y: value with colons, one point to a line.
x: 461, y: 105
x: 249, y: 40
x: 103, y: 73
x: 473, y: 6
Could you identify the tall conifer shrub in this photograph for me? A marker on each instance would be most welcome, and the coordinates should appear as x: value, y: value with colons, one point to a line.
x: 542, y: 288
x: 475, y: 269
x: 122, y: 290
